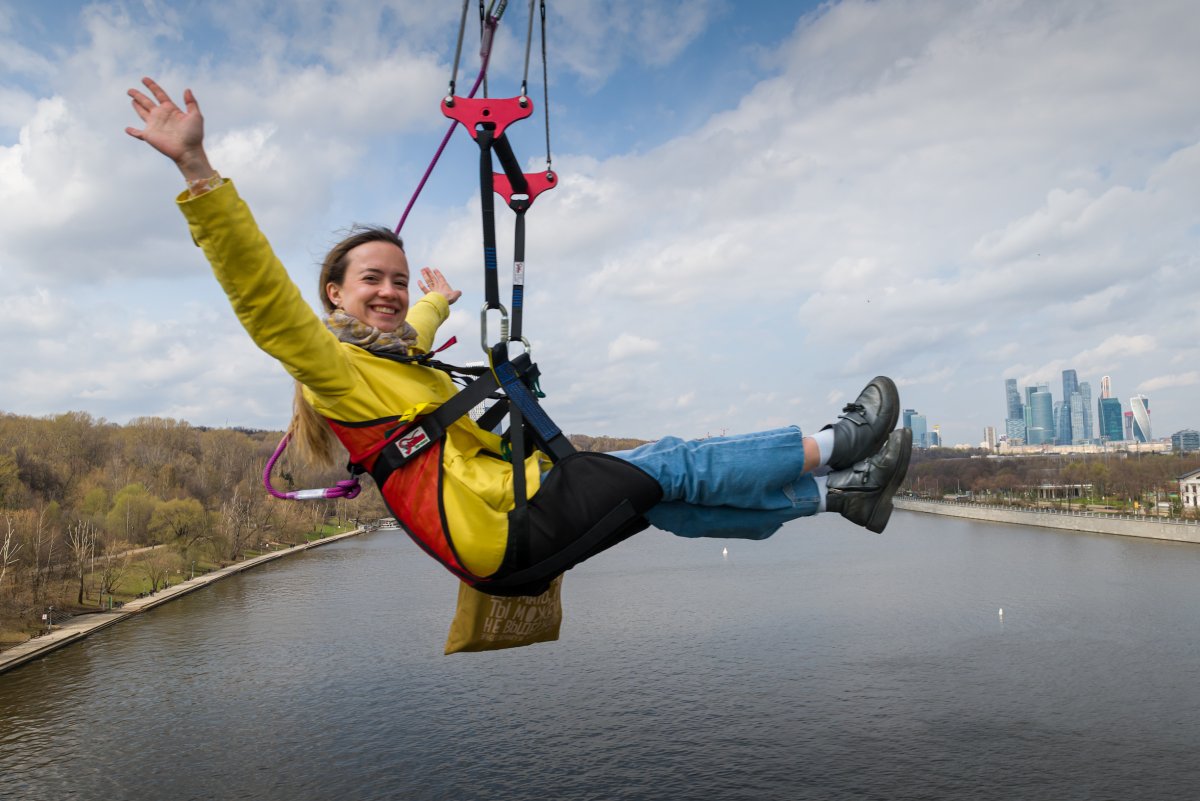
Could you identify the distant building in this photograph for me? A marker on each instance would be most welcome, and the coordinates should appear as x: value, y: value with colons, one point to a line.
x: 1085, y: 391
x: 1014, y: 409
x: 1106, y: 387
x: 934, y: 438
x: 1189, y: 490
x: 1077, y: 433
x: 1041, y: 432
x: 1014, y: 431
x: 920, y: 429
x: 1127, y: 418
x: 1110, y: 419
x: 1140, y: 406
x: 1066, y: 434
x: 1062, y: 423
x: 907, y: 416
x: 989, y: 438
x: 1185, y: 441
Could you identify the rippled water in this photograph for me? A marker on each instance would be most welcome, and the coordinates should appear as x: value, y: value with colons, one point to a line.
x: 824, y: 663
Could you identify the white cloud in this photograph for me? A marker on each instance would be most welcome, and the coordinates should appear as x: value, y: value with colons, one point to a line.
x: 629, y: 346
x: 1188, y: 379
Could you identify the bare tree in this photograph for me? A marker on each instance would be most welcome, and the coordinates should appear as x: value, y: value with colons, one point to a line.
x: 237, y: 520
x: 113, y: 568
x: 8, y: 549
x: 81, y: 539
x: 157, y: 564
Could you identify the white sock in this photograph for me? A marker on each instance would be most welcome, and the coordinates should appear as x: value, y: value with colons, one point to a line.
x: 824, y: 490
x: 824, y: 440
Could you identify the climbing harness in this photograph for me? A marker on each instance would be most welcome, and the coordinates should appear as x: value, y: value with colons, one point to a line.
x: 587, y: 502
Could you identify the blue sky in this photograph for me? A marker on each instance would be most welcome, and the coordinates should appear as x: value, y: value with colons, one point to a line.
x: 762, y: 204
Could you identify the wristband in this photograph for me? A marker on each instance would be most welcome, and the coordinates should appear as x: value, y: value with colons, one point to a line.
x: 201, y: 185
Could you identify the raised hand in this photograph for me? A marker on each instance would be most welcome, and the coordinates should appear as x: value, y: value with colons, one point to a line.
x: 434, y: 281
x: 174, y: 132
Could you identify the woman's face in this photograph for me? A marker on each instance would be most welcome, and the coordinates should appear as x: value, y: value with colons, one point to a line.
x: 375, y: 287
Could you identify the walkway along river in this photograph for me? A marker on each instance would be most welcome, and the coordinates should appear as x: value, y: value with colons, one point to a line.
x: 1097, y: 522
x: 84, y: 625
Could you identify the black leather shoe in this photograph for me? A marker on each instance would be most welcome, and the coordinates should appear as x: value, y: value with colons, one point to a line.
x: 863, y: 494
x: 864, y: 425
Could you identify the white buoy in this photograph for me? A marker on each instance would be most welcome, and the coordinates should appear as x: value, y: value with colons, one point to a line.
x: 724, y: 552
x: 1002, y: 611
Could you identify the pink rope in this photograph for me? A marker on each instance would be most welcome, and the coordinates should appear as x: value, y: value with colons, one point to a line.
x: 486, y: 54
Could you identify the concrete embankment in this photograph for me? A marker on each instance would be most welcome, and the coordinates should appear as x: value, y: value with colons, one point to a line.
x: 84, y: 625
x: 1097, y: 522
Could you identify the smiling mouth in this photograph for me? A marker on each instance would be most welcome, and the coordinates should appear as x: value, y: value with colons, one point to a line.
x: 388, y: 310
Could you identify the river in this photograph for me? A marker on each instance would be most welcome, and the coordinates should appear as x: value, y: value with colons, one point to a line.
x: 823, y: 663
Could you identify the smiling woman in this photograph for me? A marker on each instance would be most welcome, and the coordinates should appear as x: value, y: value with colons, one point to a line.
x: 366, y: 381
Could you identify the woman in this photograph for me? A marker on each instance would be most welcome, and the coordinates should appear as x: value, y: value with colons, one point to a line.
x: 352, y: 391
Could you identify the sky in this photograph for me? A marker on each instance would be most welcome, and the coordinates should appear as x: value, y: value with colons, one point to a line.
x: 760, y: 206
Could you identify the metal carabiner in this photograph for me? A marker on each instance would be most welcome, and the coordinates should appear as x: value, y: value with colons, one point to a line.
x: 483, y: 337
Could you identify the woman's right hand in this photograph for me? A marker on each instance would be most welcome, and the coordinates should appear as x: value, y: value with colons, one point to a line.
x: 177, y: 134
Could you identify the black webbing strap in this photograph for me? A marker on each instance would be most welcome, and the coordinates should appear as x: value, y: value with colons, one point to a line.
x: 408, y: 440
x: 519, y: 204
x: 487, y: 203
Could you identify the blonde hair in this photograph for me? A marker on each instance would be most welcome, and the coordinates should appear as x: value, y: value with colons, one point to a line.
x: 313, y: 439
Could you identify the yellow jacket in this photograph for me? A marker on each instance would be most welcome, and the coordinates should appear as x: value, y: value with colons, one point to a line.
x: 347, y: 384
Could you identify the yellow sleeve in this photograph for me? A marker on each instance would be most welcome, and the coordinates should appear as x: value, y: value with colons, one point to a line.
x: 426, y: 315
x: 265, y: 299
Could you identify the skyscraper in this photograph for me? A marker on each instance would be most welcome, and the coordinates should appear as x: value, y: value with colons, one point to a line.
x: 1110, y: 420
x: 1140, y: 406
x: 908, y: 415
x: 1085, y: 390
x: 1013, y: 399
x: 920, y: 429
x: 1062, y: 422
x: 1042, y: 417
x: 1066, y: 434
x: 1128, y: 420
x: 1106, y: 387
x: 1077, y: 419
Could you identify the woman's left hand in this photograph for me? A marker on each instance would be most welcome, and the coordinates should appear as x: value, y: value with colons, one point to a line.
x: 433, y: 281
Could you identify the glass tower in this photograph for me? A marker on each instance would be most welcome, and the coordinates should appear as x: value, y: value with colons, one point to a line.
x: 1070, y: 387
x: 1111, y: 425
x: 920, y: 429
x: 1041, y: 431
x: 1140, y: 406
x: 1085, y: 391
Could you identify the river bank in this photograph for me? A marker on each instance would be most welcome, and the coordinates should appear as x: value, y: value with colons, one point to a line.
x: 85, y: 625
x: 1095, y: 522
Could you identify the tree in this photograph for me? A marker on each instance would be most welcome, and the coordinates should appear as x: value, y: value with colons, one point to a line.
x: 10, y: 481
x: 157, y: 563
x: 81, y: 539
x: 181, y: 520
x: 8, y: 548
x: 130, y: 515
x: 113, y: 567
x: 237, y: 522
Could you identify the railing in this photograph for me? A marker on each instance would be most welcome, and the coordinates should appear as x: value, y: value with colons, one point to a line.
x: 1054, y: 511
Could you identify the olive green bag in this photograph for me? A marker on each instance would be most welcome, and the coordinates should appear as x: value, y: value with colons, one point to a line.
x: 485, y: 622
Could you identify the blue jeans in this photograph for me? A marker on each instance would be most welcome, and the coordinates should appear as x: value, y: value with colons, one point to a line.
x: 713, y: 487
